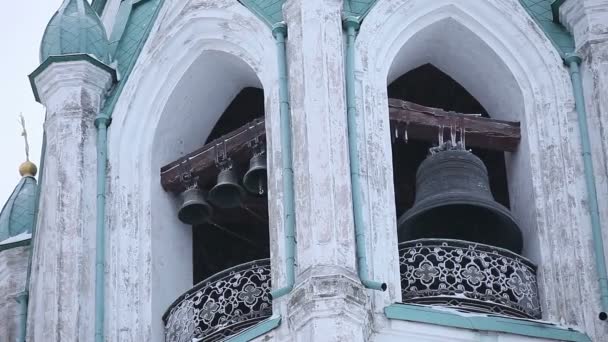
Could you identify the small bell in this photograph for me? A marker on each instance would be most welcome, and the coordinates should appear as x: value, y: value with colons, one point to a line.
x: 194, y: 209
x: 256, y: 179
x: 227, y: 192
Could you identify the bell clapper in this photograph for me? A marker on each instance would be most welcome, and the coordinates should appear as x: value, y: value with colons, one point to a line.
x: 255, y: 180
x: 260, y: 187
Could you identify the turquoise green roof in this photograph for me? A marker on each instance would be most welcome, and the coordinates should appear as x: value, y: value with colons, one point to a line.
x: 136, y: 17
x: 99, y: 5
x: 131, y: 30
x: 543, y: 13
x: 271, y: 10
x: 358, y: 8
x: 17, y: 215
x: 75, y: 29
x: 268, y: 10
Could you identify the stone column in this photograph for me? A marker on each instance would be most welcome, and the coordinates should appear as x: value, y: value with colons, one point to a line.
x: 328, y: 302
x: 62, y: 292
x: 587, y: 20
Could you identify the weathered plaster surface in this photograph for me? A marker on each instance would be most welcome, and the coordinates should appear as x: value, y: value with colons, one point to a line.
x: 321, y: 165
x: 63, y: 276
x: 199, y: 55
x: 13, y: 270
x: 515, y: 78
x: 588, y: 21
x: 585, y: 19
x: 328, y: 292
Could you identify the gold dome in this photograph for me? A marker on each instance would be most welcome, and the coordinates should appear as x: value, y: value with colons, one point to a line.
x: 28, y: 169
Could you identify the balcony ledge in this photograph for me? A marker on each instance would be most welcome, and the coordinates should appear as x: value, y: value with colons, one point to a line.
x: 482, y: 322
x: 257, y: 330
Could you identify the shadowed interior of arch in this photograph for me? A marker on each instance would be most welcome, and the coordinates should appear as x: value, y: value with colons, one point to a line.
x: 214, y: 248
x: 215, y: 93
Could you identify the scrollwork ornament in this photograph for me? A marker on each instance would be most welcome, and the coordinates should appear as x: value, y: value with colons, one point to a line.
x: 468, y: 276
x: 222, y: 305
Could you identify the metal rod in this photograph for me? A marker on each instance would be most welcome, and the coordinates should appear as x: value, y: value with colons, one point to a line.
x: 573, y: 62
x: 101, y: 123
x: 279, y: 31
x: 351, y: 24
x: 254, y: 214
x: 236, y: 235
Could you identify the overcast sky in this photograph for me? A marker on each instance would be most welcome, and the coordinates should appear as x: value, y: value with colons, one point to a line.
x: 22, y: 24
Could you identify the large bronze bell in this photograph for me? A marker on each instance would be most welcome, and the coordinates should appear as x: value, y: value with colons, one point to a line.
x: 453, y: 201
x: 194, y: 209
x: 227, y: 192
x: 256, y: 179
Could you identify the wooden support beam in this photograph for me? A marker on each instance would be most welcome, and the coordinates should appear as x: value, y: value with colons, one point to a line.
x: 202, y: 162
x: 422, y: 123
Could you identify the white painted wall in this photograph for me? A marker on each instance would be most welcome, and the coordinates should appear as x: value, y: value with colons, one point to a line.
x: 509, y: 65
x: 199, y: 56
x: 13, y: 270
x: 201, y: 53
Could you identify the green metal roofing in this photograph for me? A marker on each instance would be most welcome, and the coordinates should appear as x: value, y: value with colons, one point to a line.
x: 271, y: 10
x: 135, y: 19
x: 131, y: 30
x: 17, y: 215
x: 358, y: 8
x: 543, y: 14
x: 268, y: 10
x: 99, y: 5
x: 483, y: 322
x: 75, y: 29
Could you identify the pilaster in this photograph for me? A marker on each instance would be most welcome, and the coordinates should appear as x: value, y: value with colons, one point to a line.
x: 328, y: 303
x: 62, y: 292
x: 13, y: 270
x: 587, y: 20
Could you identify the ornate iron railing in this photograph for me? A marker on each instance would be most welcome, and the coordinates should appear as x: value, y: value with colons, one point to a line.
x: 468, y: 276
x: 221, y: 305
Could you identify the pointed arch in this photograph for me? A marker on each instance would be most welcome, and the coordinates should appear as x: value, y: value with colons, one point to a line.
x: 512, y: 69
x: 196, y: 60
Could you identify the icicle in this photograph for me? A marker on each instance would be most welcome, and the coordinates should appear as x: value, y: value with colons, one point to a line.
x: 453, y: 135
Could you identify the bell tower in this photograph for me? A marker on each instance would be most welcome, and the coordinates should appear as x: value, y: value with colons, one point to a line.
x: 321, y: 170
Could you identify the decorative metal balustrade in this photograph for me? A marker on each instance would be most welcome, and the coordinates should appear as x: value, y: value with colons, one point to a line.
x: 221, y: 305
x: 468, y: 276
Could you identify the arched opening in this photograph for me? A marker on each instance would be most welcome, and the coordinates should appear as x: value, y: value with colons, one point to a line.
x: 443, y: 247
x: 237, y: 235
x: 204, y: 265
x: 515, y: 73
x: 429, y: 86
